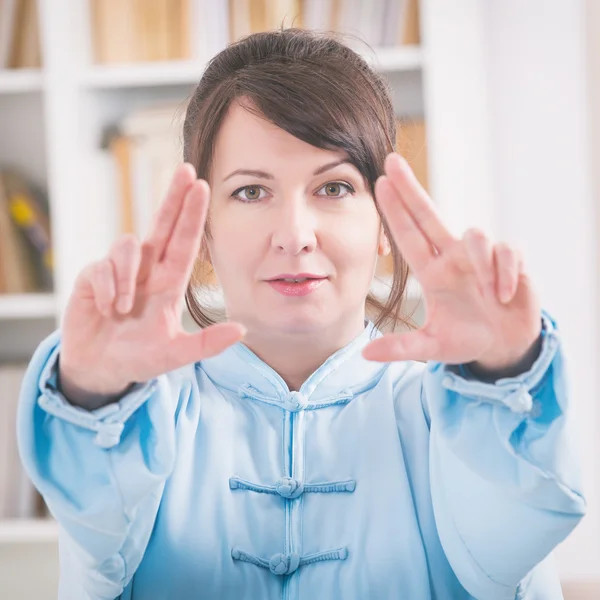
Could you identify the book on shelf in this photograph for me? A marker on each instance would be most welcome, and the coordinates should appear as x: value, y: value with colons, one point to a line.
x: 146, y: 147
x: 18, y: 497
x: 251, y: 16
x: 19, y: 35
x: 26, y: 260
x: 126, y: 31
x: 130, y: 31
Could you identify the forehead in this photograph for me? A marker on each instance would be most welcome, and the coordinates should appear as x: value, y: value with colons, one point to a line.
x: 247, y: 140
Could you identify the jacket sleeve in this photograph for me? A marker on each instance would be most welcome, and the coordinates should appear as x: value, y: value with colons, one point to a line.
x: 505, y: 479
x: 101, y: 472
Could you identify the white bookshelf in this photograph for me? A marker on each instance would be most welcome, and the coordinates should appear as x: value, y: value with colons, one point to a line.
x: 28, y: 531
x: 51, y: 124
x: 184, y: 73
x: 21, y: 80
x: 27, y: 306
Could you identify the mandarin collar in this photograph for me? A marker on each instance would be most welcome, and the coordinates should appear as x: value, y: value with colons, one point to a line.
x: 343, y: 374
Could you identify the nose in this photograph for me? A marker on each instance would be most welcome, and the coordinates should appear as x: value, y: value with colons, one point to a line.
x: 294, y: 227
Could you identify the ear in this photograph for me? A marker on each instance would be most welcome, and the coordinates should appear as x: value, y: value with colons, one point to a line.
x: 384, y: 248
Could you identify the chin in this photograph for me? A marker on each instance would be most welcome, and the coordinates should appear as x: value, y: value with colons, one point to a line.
x: 298, y: 321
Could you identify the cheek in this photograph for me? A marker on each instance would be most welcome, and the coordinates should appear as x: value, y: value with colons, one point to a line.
x: 234, y: 247
x: 355, y: 240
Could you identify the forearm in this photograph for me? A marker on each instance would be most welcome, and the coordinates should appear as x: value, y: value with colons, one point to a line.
x: 505, y: 479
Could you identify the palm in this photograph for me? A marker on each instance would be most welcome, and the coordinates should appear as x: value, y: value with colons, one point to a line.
x: 465, y: 319
x: 140, y: 343
x: 148, y: 340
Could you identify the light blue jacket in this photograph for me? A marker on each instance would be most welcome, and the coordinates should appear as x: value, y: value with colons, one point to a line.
x: 374, y: 481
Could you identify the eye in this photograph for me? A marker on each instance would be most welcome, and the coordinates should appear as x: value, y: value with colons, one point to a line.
x: 332, y: 189
x: 252, y: 191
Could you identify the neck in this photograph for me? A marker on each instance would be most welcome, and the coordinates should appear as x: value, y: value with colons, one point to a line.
x: 295, y: 356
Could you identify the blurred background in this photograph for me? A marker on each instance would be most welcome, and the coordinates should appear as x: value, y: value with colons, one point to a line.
x: 498, y: 108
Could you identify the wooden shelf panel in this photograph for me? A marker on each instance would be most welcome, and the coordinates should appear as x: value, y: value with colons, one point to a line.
x: 142, y: 74
x: 14, y: 81
x: 400, y: 58
x: 395, y: 59
x: 27, y: 531
x: 27, y: 306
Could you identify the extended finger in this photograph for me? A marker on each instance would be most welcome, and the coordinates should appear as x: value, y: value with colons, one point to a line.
x: 413, y: 245
x: 188, y: 348
x: 125, y: 256
x: 507, y: 272
x: 417, y: 202
x: 168, y: 213
x: 416, y: 345
x: 520, y: 262
x: 102, y: 281
x: 184, y: 244
x: 481, y: 253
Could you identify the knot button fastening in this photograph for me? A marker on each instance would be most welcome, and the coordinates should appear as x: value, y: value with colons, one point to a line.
x: 289, y: 488
x: 295, y: 401
x: 284, y: 564
x: 520, y: 401
x: 109, y: 435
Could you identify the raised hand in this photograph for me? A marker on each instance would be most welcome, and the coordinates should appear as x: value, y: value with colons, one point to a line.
x: 480, y: 305
x: 123, y: 320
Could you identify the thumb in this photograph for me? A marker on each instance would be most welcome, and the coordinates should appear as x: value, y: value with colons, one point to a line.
x: 416, y: 345
x: 192, y: 347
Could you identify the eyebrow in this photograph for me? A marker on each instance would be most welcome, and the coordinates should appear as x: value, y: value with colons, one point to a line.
x: 265, y: 175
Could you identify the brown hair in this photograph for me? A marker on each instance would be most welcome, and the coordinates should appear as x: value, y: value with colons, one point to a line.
x: 317, y: 89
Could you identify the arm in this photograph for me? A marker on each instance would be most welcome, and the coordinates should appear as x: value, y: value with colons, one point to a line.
x: 101, y: 472
x: 505, y: 486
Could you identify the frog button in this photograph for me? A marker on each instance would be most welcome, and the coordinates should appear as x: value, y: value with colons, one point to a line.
x: 295, y: 401
x: 289, y: 488
x: 519, y: 401
x: 109, y: 435
x: 284, y: 564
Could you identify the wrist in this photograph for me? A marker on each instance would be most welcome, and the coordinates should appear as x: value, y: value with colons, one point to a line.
x: 80, y: 392
x: 493, y: 368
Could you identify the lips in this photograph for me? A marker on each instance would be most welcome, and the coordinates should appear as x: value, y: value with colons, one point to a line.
x: 291, y: 277
x: 302, y: 288
x: 298, y: 279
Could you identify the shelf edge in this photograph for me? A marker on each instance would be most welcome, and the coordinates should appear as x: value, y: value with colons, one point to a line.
x: 189, y: 72
x: 27, y: 306
x: 16, y: 81
x: 28, y: 531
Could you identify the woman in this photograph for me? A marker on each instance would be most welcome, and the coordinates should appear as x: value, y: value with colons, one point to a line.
x: 317, y: 458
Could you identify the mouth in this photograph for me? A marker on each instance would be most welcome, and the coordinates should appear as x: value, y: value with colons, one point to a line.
x: 296, y: 286
x: 297, y: 278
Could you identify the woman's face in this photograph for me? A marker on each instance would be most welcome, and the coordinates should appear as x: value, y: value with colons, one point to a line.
x: 281, y: 207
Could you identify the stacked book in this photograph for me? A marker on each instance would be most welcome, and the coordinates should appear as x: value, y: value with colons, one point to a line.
x: 19, y: 34
x: 126, y: 31
x: 26, y: 260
